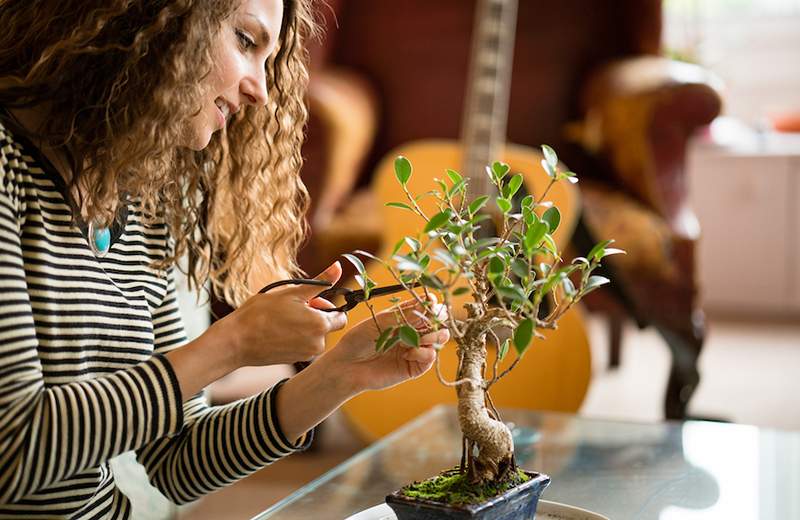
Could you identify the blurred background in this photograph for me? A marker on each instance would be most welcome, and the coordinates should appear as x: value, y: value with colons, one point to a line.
x: 682, y: 120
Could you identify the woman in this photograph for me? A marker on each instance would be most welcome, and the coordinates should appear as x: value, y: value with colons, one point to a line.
x: 125, y: 127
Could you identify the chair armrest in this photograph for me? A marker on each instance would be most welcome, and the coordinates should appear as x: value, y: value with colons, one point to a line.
x: 344, y: 107
x: 639, y: 115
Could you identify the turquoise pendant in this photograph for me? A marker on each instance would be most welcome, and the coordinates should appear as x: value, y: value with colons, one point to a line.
x: 99, y: 240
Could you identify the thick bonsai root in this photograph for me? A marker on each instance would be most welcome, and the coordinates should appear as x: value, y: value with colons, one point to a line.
x: 491, y: 446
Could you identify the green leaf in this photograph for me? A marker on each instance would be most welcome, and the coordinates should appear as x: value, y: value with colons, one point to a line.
x: 365, y: 284
x: 356, y: 263
x: 478, y: 218
x: 613, y: 251
x: 534, y: 235
x: 550, y: 156
x: 399, y: 205
x: 406, y: 263
x: 550, y: 244
x: 424, y: 261
x: 503, y: 349
x: 529, y: 216
x: 432, y: 281
x: 412, y: 243
x: 569, y: 176
x: 477, y: 204
x: 392, y: 341
x: 455, y: 177
x: 593, y: 283
x: 496, y: 266
x: 513, y: 186
x: 367, y: 254
x: 484, y: 242
x: 442, y: 185
x: 409, y: 335
x: 553, y: 218
x: 551, y: 281
x: 383, y: 337
x: 457, y: 187
x: 402, y: 169
x: 569, y: 287
x: 503, y: 204
x: 438, y: 220
x: 580, y: 260
x: 500, y: 169
x: 597, y: 251
x: 460, y: 290
x: 520, y: 268
x: 551, y: 172
x: 408, y: 278
x: 523, y: 335
x: 398, y: 245
x: 527, y: 201
x: 444, y: 257
x: 513, y: 293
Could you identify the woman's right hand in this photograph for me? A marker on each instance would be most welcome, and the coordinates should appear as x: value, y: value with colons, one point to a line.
x: 283, y: 325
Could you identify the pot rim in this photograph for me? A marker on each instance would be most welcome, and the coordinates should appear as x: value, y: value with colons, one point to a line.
x: 537, y: 479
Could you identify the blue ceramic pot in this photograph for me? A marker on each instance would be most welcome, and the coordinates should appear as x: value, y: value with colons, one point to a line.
x: 518, y: 503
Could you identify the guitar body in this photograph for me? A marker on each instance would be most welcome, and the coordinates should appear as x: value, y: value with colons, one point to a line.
x: 555, y: 372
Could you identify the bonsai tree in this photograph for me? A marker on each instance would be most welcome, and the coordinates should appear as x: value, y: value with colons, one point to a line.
x: 513, y: 277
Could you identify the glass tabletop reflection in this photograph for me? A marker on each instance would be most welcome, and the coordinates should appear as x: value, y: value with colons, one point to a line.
x: 624, y: 470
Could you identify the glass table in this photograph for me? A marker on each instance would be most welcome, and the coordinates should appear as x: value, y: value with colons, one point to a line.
x: 624, y: 470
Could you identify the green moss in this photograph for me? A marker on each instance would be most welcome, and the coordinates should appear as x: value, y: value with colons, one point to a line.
x: 452, y: 488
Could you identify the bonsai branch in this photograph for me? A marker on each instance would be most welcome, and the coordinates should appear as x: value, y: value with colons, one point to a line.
x: 502, y: 374
x: 453, y: 383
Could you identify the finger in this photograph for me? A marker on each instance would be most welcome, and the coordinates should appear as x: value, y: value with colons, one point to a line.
x: 439, y: 337
x: 437, y: 311
x: 423, y: 355
x: 321, y: 303
x: 330, y: 275
x: 413, y: 312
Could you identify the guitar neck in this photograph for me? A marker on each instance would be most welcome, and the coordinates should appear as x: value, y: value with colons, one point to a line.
x: 489, y: 83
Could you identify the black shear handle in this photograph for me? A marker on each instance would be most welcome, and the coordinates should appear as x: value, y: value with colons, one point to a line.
x: 294, y: 281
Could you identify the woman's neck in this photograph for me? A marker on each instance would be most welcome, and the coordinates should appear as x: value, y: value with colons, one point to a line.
x: 32, y: 121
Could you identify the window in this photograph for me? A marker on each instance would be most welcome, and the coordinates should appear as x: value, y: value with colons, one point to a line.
x: 753, y: 45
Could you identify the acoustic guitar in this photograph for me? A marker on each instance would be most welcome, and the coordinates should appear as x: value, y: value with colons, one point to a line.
x: 555, y: 372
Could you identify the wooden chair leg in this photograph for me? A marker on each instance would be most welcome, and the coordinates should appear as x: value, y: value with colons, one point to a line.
x: 614, y: 341
x: 685, y: 343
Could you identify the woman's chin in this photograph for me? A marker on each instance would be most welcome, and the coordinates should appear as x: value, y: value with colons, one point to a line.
x: 199, y: 141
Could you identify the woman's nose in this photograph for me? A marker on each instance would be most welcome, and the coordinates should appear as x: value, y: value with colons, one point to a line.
x: 254, y: 89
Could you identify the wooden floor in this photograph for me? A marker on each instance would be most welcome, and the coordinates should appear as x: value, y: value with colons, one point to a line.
x: 749, y: 375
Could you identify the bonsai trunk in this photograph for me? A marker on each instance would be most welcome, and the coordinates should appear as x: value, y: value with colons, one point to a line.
x: 489, y: 444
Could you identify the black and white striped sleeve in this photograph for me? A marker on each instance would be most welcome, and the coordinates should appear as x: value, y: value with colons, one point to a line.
x: 49, y: 433
x: 218, y: 445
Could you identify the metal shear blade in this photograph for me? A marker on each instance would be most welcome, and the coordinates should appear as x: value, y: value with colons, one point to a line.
x: 351, y: 297
x: 354, y: 297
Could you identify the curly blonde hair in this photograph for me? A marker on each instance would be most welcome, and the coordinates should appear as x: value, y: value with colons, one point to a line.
x: 118, y: 79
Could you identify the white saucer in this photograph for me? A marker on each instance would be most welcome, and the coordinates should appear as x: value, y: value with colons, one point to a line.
x: 546, y: 510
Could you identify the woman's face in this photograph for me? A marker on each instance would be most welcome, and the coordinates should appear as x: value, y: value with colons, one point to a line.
x: 245, y: 41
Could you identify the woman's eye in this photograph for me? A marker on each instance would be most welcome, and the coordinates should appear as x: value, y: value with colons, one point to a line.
x: 245, y: 41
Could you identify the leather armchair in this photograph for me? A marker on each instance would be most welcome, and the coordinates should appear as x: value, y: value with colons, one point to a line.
x: 588, y: 80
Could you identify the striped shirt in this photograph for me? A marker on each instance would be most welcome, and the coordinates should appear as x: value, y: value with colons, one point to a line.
x: 83, y: 376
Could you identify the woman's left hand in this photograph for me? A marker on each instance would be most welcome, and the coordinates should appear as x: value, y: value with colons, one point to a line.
x: 366, y: 369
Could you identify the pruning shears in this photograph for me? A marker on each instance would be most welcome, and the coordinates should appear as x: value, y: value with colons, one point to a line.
x: 351, y: 297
